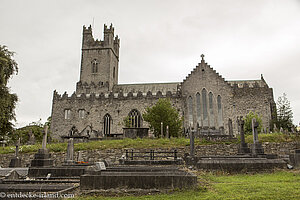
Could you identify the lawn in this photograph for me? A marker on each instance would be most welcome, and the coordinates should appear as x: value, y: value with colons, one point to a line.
x: 278, y: 185
x: 145, y: 143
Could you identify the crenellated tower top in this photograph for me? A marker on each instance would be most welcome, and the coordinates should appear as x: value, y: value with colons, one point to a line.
x: 100, y: 59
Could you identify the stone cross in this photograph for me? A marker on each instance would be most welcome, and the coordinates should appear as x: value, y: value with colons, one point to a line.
x: 44, y: 142
x: 17, y: 147
x: 254, y: 130
x: 202, y: 56
x: 241, y: 126
x: 167, y: 131
x: 70, y: 150
x: 162, y: 129
x: 230, y: 127
x: 192, y: 142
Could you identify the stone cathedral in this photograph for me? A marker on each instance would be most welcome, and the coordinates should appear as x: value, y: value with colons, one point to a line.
x: 99, y: 105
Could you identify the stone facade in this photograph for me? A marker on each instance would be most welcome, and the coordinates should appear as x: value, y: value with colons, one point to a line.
x: 205, y: 99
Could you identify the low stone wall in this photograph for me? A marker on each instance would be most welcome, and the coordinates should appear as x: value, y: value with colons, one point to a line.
x: 114, y: 154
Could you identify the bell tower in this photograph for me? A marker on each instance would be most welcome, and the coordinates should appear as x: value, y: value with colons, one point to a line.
x: 99, y: 62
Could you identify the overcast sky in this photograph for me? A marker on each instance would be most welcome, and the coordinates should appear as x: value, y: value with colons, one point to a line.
x: 161, y: 41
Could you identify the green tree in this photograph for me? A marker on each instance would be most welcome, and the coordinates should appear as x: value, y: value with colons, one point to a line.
x: 284, y: 113
x: 8, y: 66
x: 163, y: 112
x: 248, y: 122
x: 23, y: 133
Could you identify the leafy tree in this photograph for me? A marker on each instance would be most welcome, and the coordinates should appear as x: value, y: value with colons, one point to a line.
x: 163, y: 112
x: 23, y: 133
x: 127, y: 122
x: 284, y: 113
x: 248, y: 122
x: 8, y: 101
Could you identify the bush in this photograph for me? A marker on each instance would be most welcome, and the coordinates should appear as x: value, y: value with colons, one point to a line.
x: 248, y: 122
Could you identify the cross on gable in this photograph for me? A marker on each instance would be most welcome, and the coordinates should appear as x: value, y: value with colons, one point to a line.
x: 202, y: 56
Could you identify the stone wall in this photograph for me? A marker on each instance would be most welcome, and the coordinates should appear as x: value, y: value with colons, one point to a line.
x: 96, y: 107
x: 114, y: 154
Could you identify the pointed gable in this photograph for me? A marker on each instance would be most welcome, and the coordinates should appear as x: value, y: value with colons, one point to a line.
x: 203, y: 76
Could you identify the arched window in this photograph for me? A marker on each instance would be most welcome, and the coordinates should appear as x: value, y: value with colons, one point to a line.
x: 220, y: 112
x: 107, y: 124
x: 94, y: 66
x: 67, y: 113
x: 81, y: 113
x: 198, y: 106
x: 211, y: 110
x: 135, y: 119
x: 190, y: 111
x: 204, y: 107
x: 114, y: 74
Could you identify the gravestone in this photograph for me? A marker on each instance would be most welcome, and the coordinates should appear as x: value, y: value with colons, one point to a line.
x: 162, y: 129
x: 275, y: 128
x: 230, y: 127
x: 192, y: 143
x: 70, y: 152
x: 79, y: 158
x: 257, y: 147
x: 167, y: 132
x: 281, y: 130
x: 243, y: 148
x: 100, y: 166
x: 16, y: 161
x: 42, y: 158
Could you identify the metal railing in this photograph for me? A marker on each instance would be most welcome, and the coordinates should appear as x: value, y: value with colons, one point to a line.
x: 130, y: 154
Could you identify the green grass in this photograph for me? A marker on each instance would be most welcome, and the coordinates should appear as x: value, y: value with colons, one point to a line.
x: 145, y: 143
x: 274, y: 137
x: 278, y: 185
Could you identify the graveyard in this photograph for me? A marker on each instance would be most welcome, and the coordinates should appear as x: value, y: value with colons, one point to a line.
x: 169, y: 168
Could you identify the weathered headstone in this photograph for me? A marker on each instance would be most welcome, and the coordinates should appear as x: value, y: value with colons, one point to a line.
x: 257, y: 147
x: 243, y: 149
x: 230, y: 127
x: 79, y: 158
x: 192, y: 142
x: 100, y: 166
x: 70, y: 152
x: 16, y: 161
x: 42, y: 158
x: 167, y: 132
x: 162, y: 129
x: 281, y: 130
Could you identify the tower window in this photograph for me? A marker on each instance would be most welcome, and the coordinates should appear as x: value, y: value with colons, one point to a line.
x: 114, y: 74
x: 81, y: 113
x: 94, y: 66
x: 67, y: 114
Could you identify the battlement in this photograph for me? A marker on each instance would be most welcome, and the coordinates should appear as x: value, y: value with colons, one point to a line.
x: 111, y: 29
x: 115, y: 96
x: 109, y: 41
x: 248, y: 84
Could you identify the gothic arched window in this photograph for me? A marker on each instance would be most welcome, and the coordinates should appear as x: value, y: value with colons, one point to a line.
x: 204, y: 107
x: 198, y: 106
x: 94, y: 66
x: 211, y: 110
x: 220, y: 112
x: 135, y: 119
x: 107, y: 124
x: 190, y: 110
